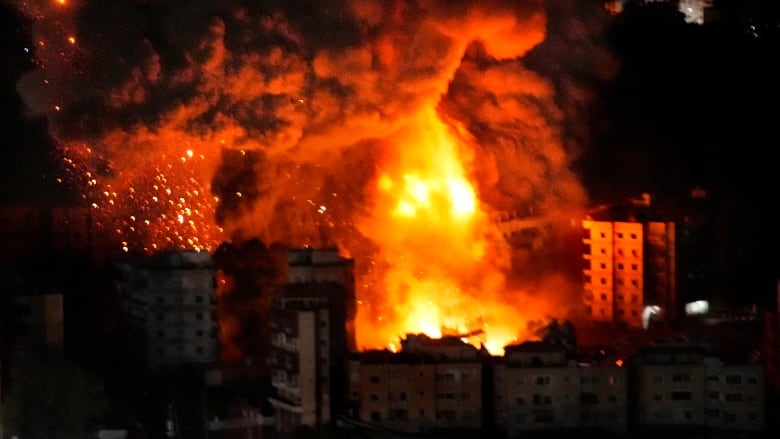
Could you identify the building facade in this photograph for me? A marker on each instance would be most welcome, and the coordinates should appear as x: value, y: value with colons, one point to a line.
x: 431, y: 384
x: 312, y: 323
x: 172, y: 298
x: 538, y: 388
x: 679, y: 384
x: 629, y: 274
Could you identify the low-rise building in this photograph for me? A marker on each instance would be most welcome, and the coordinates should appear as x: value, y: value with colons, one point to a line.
x: 431, y: 384
x: 681, y: 384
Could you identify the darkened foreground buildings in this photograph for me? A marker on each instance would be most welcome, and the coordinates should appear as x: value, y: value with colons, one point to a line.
x: 444, y: 384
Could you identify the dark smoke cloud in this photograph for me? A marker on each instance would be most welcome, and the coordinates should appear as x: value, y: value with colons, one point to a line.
x: 300, y: 95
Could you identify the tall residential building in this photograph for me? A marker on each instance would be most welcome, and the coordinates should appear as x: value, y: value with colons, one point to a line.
x: 312, y: 323
x: 172, y: 298
x: 431, y: 384
x: 630, y: 268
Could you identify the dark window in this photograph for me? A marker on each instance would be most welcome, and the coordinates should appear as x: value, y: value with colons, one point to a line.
x: 681, y: 396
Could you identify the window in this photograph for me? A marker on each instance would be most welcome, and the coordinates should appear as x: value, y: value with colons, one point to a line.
x: 620, y: 266
x: 603, y: 281
x: 199, y: 349
x: 634, y: 282
x: 542, y: 380
x: 589, y: 398
x: 734, y: 379
x: 634, y: 267
x: 620, y: 235
x: 399, y: 414
x: 199, y: 333
x: 603, y: 265
x: 634, y: 253
x: 633, y: 236
x: 603, y: 296
x: 199, y: 316
x: 198, y: 299
x: 713, y: 394
x: 681, y: 378
x: 658, y: 397
x: 681, y: 396
x: 374, y: 397
x: 374, y: 379
x: 376, y: 416
x: 733, y: 397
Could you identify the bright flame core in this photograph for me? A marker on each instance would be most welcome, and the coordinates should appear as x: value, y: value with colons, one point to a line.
x: 441, y: 260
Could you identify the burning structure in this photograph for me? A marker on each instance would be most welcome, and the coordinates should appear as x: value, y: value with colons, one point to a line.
x: 393, y: 131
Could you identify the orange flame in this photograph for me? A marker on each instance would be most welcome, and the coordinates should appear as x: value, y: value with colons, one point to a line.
x: 440, y: 258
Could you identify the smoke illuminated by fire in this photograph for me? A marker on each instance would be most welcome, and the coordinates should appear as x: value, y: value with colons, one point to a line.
x: 394, y: 130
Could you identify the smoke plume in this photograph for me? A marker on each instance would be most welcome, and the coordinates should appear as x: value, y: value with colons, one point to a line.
x: 188, y: 123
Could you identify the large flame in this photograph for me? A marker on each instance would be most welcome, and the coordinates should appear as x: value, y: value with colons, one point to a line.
x: 442, y: 260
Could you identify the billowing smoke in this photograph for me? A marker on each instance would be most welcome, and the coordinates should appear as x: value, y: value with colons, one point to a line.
x: 192, y: 122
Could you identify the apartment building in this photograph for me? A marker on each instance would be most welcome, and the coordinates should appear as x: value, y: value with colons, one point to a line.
x: 172, y: 299
x: 538, y: 388
x: 629, y: 273
x: 431, y: 384
x: 312, y: 323
x: 679, y: 384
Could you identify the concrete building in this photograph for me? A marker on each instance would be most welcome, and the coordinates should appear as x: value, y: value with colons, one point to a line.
x: 630, y: 272
x: 431, y: 384
x: 172, y: 299
x: 679, y: 384
x: 538, y: 388
x: 312, y: 330
x: 616, y: 269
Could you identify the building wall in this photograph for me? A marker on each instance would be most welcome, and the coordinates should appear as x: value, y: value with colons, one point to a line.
x: 535, y: 398
x: 670, y: 394
x: 418, y: 396
x: 603, y: 398
x: 661, y: 273
x: 629, y: 268
x: 734, y: 397
x: 310, y: 336
x: 173, y: 298
x: 598, y: 274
